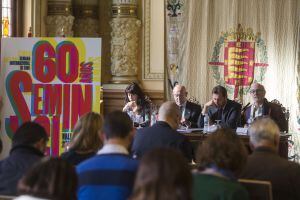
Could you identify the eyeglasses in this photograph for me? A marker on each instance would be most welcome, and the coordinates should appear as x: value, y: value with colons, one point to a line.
x: 256, y: 91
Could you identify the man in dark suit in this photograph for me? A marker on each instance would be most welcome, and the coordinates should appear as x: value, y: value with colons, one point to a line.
x: 261, y: 107
x: 220, y: 108
x: 265, y: 163
x: 162, y: 134
x: 189, y: 111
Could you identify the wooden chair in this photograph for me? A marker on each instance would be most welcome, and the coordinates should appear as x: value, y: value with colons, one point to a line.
x: 258, y: 190
x: 285, y: 111
x: 193, y: 100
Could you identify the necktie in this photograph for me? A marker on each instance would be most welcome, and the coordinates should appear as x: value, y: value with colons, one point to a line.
x: 220, y: 112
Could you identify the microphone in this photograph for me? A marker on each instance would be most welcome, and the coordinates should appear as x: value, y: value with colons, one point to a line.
x: 245, y: 107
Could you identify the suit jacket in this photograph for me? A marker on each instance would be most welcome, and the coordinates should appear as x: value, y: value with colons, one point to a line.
x: 265, y: 164
x: 160, y: 135
x: 230, y: 117
x: 192, y: 113
x: 272, y: 110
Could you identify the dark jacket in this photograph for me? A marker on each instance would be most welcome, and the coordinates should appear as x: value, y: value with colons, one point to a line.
x: 160, y: 135
x: 265, y: 164
x: 75, y: 158
x: 272, y: 110
x: 192, y: 113
x: 230, y: 115
x: 13, y: 167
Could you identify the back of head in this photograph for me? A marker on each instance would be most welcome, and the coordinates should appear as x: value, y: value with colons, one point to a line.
x: 28, y: 134
x: 223, y: 149
x: 86, y: 134
x: 220, y: 90
x: 264, y: 131
x: 169, y: 112
x: 163, y: 174
x: 51, y: 178
x: 117, y: 124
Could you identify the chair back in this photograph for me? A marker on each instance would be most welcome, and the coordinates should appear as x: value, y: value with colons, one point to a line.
x: 258, y: 190
x: 285, y: 111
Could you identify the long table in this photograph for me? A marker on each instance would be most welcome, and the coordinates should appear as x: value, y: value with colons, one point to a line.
x: 197, y: 137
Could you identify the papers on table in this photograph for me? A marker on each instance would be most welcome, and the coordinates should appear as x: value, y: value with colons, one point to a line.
x: 189, y: 130
x: 242, y: 131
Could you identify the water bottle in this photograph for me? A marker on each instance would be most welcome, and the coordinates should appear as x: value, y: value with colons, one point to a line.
x: 153, y: 118
x: 206, y: 124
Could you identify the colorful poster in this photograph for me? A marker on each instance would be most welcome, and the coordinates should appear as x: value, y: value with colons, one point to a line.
x: 52, y: 81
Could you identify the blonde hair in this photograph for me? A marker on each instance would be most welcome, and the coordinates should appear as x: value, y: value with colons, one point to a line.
x: 86, y: 133
x: 263, y: 129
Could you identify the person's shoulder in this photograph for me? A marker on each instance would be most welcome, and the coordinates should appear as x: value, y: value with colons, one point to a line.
x: 192, y: 104
x: 235, y: 104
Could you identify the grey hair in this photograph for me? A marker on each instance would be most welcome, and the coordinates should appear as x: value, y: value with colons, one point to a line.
x: 264, y: 129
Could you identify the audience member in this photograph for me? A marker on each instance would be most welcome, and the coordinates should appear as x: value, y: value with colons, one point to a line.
x: 137, y: 105
x: 52, y: 178
x: 220, y: 108
x: 190, y: 112
x: 110, y: 174
x: 261, y: 107
x: 163, y: 133
x: 28, y: 146
x: 221, y: 158
x: 163, y: 174
x: 265, y: 163
x: 86, y: 140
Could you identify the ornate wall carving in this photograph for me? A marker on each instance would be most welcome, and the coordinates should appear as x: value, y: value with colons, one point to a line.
x: 59, y: 21
x: 124, y: 44
x: 86, y: 22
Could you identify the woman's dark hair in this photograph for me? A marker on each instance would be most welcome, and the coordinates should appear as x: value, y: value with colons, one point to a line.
x: 134, y: 88
x: 163, y: 174
x: 224, y: 149
x: 51, y: 178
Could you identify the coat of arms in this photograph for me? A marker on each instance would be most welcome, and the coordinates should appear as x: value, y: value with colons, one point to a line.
x: 239, y: 58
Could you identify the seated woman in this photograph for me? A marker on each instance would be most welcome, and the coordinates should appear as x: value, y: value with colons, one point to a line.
x: 163, y: 174
x: 221, y: 157
x: 86, y: 139
x: 137, y: 105
x: 51, y: 178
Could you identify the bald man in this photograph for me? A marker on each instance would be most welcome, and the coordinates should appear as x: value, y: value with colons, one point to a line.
x: 189, y: 111
x: 163, y: 133
x: 261, y: 107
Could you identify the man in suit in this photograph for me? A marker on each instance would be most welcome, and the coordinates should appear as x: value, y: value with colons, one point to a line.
x: 261, y: 107
x: 162, y: 134
x: 265, y: 163
x: 189, y: 111
x: 221, y: 108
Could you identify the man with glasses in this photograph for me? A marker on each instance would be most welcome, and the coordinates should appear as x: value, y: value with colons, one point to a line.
x: 261, y: 107
x: 189, y: 111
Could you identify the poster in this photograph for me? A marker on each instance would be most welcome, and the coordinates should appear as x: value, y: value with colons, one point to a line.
x: 52, y: 81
